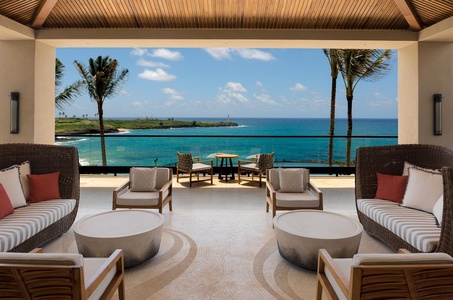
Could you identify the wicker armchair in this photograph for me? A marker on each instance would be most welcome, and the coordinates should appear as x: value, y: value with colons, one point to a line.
x: 47, y: 159
x: 390, y: 160
x: 193, y: 166
x: 258, y: 168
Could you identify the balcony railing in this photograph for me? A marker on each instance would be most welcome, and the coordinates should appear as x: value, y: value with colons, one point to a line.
x: 125, y: 151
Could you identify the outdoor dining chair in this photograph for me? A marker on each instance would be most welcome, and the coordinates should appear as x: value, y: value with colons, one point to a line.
x: 255, y: 168
x: 193, y: 166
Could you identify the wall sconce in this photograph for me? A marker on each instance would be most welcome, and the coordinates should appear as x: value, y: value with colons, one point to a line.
x: 14, y: 112
x: 437, y: 114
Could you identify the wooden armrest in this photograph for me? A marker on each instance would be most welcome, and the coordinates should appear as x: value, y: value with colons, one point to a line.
x: 270, y: 190
x: 313, y: 187
x: 196, y: 158
x: 115, y: 259
x: 166, y: 186
x: 325, y: 260
x: 122, y: 187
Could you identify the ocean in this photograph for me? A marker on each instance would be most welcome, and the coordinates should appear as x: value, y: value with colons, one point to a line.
x: 295, y: 141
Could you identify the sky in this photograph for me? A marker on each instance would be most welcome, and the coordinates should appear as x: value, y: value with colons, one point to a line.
x: 222, y: 82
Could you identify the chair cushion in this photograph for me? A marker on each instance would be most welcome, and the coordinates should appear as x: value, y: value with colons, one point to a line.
x: 43, y: 187
x: 307, y: 199
x: 274, y: 177
x: 10, y: 180
x: 162, y: 176
x: 416, y: 227
x: 24, y: 170
x: 139, y: 198
x: 63, y: 259
x: 345, y: 266
x: 423, y: 189
x: 291, y: 181
x: 143, y: 179
x: 251, y: 167
x: 200, y: 166
x: 6, y: 208
x: 391, y: 187
x: 29, y: 220
x: 400, y: 258
x: 91, y: 265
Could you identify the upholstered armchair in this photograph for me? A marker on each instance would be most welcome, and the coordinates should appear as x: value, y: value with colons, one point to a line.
x: 290, y: 189
x: 146, y: 188
x: 61, y: 276
x: 255, y: 168
x: 193, y: 166
x: 401, y: 275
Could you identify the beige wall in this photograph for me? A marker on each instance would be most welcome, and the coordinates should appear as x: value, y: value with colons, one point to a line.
x: 425, y: 69
x: 28, y: 67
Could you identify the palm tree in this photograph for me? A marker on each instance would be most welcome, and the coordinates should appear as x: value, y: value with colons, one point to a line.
x: 331, y: 55
x: 355, y: 65
x: 102, y: 80
x: 67, y: 96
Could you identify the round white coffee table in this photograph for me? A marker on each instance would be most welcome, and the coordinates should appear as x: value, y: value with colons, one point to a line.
x: 301, y: 233
x: 137, y: 232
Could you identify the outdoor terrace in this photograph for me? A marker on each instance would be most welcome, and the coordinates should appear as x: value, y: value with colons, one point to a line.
x: 218, y: 242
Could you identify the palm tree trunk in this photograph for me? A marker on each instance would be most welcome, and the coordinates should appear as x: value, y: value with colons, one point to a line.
x: 349, y: 133
x: 332, y: 119
x: 101, y: 131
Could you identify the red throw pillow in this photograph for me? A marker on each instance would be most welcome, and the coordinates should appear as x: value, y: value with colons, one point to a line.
x: 391, y: 187
x: 6, y: 208
x: 44, y: 187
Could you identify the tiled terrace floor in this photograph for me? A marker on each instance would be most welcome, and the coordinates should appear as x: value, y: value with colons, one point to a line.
x: 218, y: 243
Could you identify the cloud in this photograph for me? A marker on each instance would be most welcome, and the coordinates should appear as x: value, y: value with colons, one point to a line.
x: 174, y: 95
x: 124, y: 93
x: 226, y: 53
x: 235, y: 87
x: 138, y: 52
x: 298, y: 87
x: 148, y: 63
x: 265, y: 98
x: 380, y: 100
x: 254, y: 54
x: 258, y: 83
x: 166, y: 54
x: 219, y: 53
x: 157, y: 75
x: 232, y: 93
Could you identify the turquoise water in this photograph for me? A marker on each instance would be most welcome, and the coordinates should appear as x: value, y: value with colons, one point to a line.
x: 123, y: 150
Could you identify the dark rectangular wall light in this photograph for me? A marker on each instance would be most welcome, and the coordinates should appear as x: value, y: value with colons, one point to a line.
x: 437, y: 114
x: 14, y: 112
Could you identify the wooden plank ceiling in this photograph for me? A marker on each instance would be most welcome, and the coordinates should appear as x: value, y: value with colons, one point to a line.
x: 229, y: 14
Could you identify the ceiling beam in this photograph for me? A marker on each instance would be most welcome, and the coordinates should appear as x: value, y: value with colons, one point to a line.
x: 409, y: 14
x: 43, y: 12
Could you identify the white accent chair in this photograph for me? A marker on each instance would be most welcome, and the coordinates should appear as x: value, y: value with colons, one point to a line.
x: 310, y: 198
x: 123, y: 197
x: 401, y: 275
x: 69, y: 276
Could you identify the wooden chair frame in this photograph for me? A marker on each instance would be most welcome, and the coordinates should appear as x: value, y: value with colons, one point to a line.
x: 187, y: 167
x: 385, y: 281
x: 271, y: 197
x: 168, y: 186
x: 258, y: 171
x: 39, y: 281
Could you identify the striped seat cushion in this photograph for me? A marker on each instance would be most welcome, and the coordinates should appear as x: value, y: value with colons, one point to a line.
x: 417, y: 228
x: 29, y: 220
